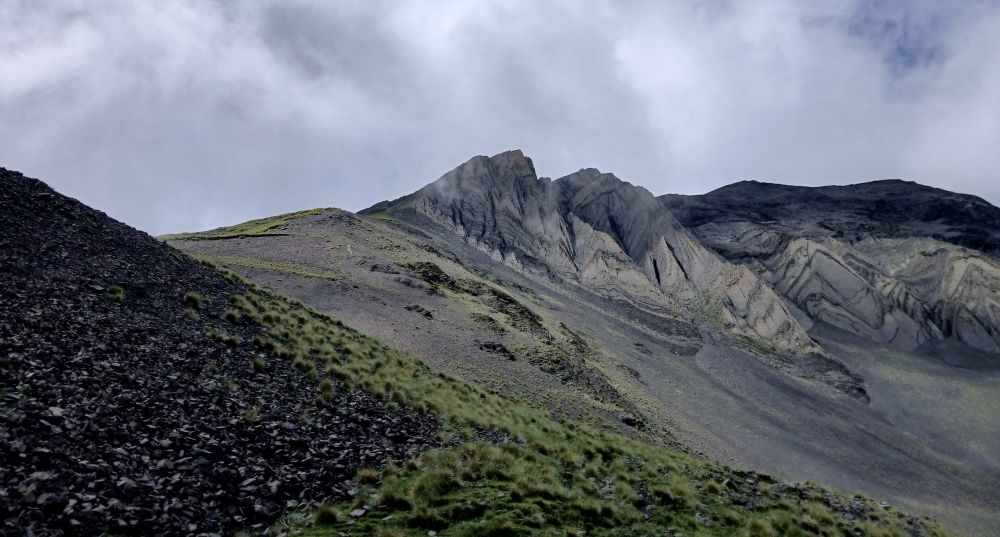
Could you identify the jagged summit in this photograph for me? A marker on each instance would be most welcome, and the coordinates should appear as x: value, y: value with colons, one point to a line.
x: 601, y: 232
x: 593, y: 228
x: 510, y: 169
x: 509, y: 166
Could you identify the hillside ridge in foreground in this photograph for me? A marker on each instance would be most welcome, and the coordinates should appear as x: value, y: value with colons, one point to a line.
x: 132, y: 398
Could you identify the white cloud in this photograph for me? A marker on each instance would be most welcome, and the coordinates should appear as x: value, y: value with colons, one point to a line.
x: 191, y: 114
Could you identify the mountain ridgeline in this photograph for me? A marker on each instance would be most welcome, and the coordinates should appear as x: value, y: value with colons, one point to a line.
x: 892, y: 261
x: 144, y: 392
x: 843, y: 334
x: 600, y: 232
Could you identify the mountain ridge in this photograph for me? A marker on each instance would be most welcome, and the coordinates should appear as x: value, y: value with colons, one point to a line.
x: 911, y: 251
x: 583, y: 210
x: 548, y: 289
x: 892, y: 208
x: 133, y: 400
x: 490, y: 200
x: 144, y: 392
x: 861, y: 185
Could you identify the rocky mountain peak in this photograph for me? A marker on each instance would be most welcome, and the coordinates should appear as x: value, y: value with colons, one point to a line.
x: 503, y: 169
x: 592, y: 180
x: 741, y: 256
x: 602, y: 232
x: 516, y: 163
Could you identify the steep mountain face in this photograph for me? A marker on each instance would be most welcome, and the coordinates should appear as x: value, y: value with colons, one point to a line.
x: 594, y: 230
x: 892, y: 261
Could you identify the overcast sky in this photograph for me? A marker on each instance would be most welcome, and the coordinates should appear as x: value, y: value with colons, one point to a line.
x: 190, y: 115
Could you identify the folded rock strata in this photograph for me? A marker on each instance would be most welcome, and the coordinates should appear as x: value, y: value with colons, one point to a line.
x: 593, y: 229
x: 892, y: 261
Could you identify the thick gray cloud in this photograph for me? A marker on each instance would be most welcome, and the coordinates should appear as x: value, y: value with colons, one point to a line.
x: 194, y: 114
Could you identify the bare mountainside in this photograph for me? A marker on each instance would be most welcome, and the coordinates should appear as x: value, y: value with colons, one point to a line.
x: 591, y: 297
x: 891, y: 261
x: 145, y: 393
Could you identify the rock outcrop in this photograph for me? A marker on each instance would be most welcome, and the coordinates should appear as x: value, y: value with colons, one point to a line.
x: 880, y: 209
x: 593, y: 229
x: 892, y: 261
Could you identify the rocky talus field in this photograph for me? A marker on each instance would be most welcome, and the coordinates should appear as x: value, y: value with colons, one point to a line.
x: 504, y: 354
x: 133, y: 401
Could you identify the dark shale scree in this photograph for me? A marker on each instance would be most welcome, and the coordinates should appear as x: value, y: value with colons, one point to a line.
x: 121, y: 414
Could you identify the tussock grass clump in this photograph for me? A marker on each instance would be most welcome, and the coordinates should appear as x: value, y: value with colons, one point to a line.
x: 224, y: 337
x: 252, y: 414
x: 326, y: 386
x: 552, y: 478
x: 192, y: 300
x: 367, y: 476
x: 116, y: 293
x: 230, y: 385
x: 325, y: 390
x: 327, y: 515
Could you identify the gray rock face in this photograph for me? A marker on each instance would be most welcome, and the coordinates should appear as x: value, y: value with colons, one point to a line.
x: 597, y: 231
x: 891, y: 261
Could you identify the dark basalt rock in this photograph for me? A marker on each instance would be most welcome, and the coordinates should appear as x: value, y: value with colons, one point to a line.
x: 888, y: 208
x: 121, y: 415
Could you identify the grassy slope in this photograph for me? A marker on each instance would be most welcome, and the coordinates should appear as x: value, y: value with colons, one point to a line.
x: 551, y: 477
x: 581, y: 382
x: 263, y: 226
